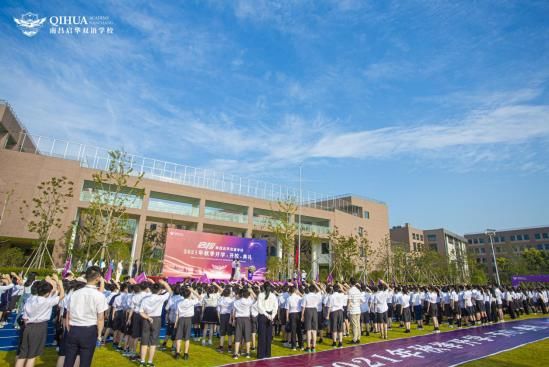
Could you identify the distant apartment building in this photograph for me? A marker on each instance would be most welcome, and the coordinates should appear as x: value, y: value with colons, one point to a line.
x: 443, y: 241
x: 174, y: 196
x: 507, y: 242
x: 407, y: 237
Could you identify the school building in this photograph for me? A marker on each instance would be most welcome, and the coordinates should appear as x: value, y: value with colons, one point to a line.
x: 447, y: 243
x: 507, y: 243
x: 175, y: 196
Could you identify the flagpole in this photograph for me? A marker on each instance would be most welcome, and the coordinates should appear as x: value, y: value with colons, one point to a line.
x: 299, y: 229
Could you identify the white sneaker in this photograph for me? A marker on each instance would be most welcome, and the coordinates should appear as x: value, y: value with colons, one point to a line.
x: 204, y: 342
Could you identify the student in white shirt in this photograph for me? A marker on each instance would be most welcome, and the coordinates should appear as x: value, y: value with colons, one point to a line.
x: 432, y: 307
x: 224, y: 309
x: 267, y: 307
x: 86, y: 315
x: 335, y: 314
x: 309, y: 315
x: 293, y: 314
x: 365, y: 310
x: 183, y: 324
x: 36, y: 314
x: 242, y: 310
x: 406, y: 315
x: 209, y: 316
x: 381, y: 308
x: 151, y: 312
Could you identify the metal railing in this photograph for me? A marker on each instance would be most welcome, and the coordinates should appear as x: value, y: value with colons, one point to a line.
x: 98, y: 158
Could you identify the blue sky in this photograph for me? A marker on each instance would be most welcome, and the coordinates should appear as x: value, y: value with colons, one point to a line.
x: 439, y: 109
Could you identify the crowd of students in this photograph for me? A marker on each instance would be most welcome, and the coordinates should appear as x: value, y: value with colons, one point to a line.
x: 246, y: 315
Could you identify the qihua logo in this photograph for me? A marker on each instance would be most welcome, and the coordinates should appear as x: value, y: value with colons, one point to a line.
x: 29, y: 24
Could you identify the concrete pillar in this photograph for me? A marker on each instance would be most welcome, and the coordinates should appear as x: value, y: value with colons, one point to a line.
x: 250, y: 228
x: 315, y: 252
x: 201, y: 214
x: 137, y: 242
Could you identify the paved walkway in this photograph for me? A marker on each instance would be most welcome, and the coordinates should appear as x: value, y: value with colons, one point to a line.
x: 445, y: 349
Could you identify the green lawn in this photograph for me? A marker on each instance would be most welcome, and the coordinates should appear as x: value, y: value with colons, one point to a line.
x: 530, y: 355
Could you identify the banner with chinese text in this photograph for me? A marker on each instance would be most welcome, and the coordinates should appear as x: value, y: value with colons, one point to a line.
x: 191, y: 254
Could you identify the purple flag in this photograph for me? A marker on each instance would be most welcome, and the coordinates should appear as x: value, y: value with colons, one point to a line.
x: 108, y: 275
x: 317, y: 277
x: 329, y: 279
x: 140, y: 278
x: 68, y: 265
x: 372, y: 282
x: 204, y: 279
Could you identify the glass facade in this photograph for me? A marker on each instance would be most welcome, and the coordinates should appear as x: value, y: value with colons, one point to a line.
x: 174, y: 204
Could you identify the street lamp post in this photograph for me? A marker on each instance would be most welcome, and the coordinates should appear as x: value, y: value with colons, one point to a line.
x: 491, y: 233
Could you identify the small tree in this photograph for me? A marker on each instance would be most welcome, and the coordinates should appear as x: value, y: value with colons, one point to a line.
x: 345, y: 254
x: 284, y: 229
x: 112, y: 193
x: 47, y: 209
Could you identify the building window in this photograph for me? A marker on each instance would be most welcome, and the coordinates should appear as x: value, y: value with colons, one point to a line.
x: 547, y: 246
x: 483, y: 250
x: 519, y: 237
x: 433, y: 246
x: 366, y: 214
x: 475, y: 240
x: 432, y: 237
x: 470, y: 241
x: 152, y: 227
x: 478, y: 260
x: 421, y: 237
x: 272, y: 251
x: 481, y: 240
x: 526, y: 237
x: 325, y: 248
x: 537, y: 236
x: 545, y: 235
x: 513, y: 238
x: 477, y: 250
x: 360, y: 231
x: 539, y: 247
x: 178, y: 226
x: 415, y: 246
x: 484, y: 260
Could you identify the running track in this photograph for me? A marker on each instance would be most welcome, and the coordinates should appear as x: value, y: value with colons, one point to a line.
x: 445, y: 349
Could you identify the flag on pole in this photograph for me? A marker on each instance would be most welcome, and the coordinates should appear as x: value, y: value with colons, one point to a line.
x: 68, y: 265
x: 108, y: 274
x: 329, y: 279
x: 372, y: 282
x: 317, y: 277
x: 140, y: 278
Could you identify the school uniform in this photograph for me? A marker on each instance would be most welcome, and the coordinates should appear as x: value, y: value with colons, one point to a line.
x: 171, y: 308
x: 294, y: 319
x: 267, y: 308
x: 36, y: 314
x: 136, y: 319
x: 152, y: 307
x: 405, y: 308
x: 85, y: 304
x: 310, y: 305
x: 209, y: 304
x: 417, y: 301
x: 185, y: 314
x: 365, y: 308
x: 243, y: 326
x: 433, y: 306
x: 225, y: 308
x: 336, y: 301
x: 380, y: 306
